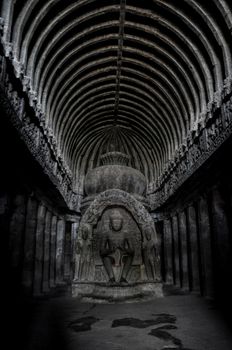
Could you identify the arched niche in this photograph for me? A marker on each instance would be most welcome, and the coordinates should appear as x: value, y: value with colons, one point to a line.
x: 118, y: 255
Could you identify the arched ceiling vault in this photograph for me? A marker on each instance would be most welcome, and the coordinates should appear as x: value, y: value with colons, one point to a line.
x: 149, y: 67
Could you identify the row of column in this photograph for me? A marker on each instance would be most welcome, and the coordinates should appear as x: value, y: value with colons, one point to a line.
x: 197, y: 245
x: 37, y: 237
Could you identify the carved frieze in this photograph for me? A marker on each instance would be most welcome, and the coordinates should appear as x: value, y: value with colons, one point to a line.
x: 33, y: 134
x: 216, y: 131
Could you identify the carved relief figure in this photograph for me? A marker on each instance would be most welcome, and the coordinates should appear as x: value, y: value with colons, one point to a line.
x: 84, y: 254
x: 150, y: 255
x: 116, y: 248
x: 116, y: 239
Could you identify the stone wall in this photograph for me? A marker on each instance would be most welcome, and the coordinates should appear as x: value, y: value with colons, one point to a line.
x: 34, y: 223
x: 196, y: 234
x: 36, y: 243
x: 30, y: 127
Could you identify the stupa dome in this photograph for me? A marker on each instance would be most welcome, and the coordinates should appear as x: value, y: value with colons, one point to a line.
x: 114, y: 172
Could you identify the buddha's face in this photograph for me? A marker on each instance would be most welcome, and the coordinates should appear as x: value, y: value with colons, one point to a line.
x: 85, y: 233
x: 148, y: 236
x: 116, y: 221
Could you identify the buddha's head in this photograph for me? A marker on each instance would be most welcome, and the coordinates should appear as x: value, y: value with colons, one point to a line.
x: 116, y: 220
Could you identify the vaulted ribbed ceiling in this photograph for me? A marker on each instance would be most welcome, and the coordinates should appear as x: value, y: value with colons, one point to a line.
x: 148, y: 67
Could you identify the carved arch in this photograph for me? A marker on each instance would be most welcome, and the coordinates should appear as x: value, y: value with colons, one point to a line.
x: 119, y: 198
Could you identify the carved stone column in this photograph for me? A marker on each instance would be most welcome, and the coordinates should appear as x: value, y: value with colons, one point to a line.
x: 194, y: 252
x: 29, y: 245
x: 17, y: 225
x: 46, y: 263
x: 205, y: 248
x: 67, y: 250
x: 221, y: 238
x: 75, y: 226
x: 53, y: 251
x: 4, y: 199
x: 39, y: 250
x: 183, y: 250
x: 60, y: 251
x: 168, y: 262
x: 175, y: 233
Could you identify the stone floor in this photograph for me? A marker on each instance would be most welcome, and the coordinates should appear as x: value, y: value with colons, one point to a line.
x: 173, y: 322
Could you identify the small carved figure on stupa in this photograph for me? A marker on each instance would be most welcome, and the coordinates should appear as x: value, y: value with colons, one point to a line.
x: 83, y: 254
x: 150, y: 256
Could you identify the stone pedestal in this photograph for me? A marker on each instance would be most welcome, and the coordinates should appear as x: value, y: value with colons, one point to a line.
x: 105, y: 292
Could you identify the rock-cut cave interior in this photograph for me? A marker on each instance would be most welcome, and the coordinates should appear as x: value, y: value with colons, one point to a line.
x: 116, y: 180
